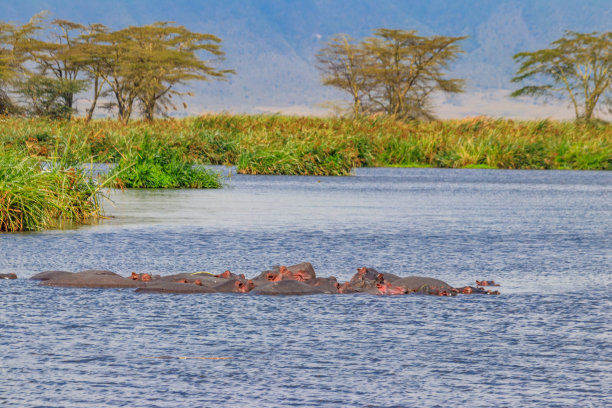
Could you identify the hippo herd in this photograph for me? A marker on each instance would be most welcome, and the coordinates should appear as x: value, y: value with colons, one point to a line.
x: 297, y: 279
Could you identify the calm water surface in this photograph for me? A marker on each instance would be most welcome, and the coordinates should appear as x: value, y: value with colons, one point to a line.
x: 546, y: 341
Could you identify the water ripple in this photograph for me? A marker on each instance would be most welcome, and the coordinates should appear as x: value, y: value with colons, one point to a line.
x: 546, y: 236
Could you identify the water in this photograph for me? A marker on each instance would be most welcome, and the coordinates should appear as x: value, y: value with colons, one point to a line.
x: 546, y: 341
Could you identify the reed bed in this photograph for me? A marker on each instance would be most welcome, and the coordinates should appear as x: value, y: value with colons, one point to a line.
x: 147, y: 162
x: 269, y: 144
x: 35, y: 195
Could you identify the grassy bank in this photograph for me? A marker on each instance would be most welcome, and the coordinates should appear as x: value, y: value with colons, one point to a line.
x: 36, y: 195
x: 323, y: 146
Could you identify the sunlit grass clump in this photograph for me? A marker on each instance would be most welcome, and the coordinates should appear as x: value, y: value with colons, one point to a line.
x: 35, y: 195
x: 146, y: 162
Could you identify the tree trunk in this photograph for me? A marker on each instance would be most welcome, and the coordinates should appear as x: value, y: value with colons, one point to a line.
x: 91, y: 109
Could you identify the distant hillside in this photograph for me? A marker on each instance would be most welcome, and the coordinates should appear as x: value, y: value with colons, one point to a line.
x: 271, y: 43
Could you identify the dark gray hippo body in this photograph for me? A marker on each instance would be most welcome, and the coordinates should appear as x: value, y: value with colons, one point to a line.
x: 92, y: 278
x: 286, y: 287
x: 367, y: 278
x: 266, y: 276
x: 46, y: 275
x: 206, y: 279
x: 234, y: 286
x: 326, y: 285
x: 305, y: 269
x: 302, y: 272
x: 420, y: 283
x: 294, y: 280
x: 173, y: 287
x: 8, y: 276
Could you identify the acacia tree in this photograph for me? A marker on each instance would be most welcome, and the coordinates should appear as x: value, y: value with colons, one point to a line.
x: 394, y: 72
x: 171, y: 59
x: 577, y: 66
x: 52, y: 87
x: 40, y: 70
x: 342, y: 62
x: 407, y: 69
x: 145, y: 66
x: 147, y: 63
x: 7, y: 67
x: 86, y: 55
x: 13, y: 57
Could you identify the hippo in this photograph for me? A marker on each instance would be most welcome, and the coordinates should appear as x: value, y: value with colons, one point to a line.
x: 479, y: 290
x: 486, y: 283
x: 416, y: 283
x: 46, y: 275
x: 327, y: 285
x: 144, y: 277
x: 234, y: 286
x: 8, y: 276
x: 367, y: 278
x: 232, y: 276
x: 286, y: 287
x: 302, y: 272
x: 267, y: 276
x: 92, y: 278
x: 346, y: 288
x: 386, y: 288
x: 297, y: 279
x: 173, y: 287
x: 205, y: 279
x: 471, y: 290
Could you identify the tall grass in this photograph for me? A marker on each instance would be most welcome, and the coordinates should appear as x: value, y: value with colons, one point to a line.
x: 146, y: 162
x: 263, y: 144
x: 36, y: 195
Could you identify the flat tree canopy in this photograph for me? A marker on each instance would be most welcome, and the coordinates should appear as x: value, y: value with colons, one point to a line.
x: 145, y: 64
x: 577, y: 67
x: 394, y: 72
x: 138, y: 67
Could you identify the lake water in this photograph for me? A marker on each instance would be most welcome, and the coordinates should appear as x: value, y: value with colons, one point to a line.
x: 546, y: 236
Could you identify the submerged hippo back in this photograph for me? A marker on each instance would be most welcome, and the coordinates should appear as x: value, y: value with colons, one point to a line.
x: 286, y: 287
x: 415, y: 282
x: 92, y: 279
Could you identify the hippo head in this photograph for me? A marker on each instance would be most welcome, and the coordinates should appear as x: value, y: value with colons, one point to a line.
x: 389, y: 289
x: 273, y: 277
x: 241, y: 287
x: 249, y: 285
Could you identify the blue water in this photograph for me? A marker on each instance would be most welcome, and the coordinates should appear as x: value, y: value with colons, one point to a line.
x: 546, y: 341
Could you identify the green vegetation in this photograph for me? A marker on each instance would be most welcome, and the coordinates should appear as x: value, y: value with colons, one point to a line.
x: 43, y: 182
x: 395, y: 72
x: 317, y: 146
x: 146, y: 162
x: 40, y: 184
x: 390, y: 77
x: 46, y: 64
x: 578, y: 67
x: 36, y: 195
